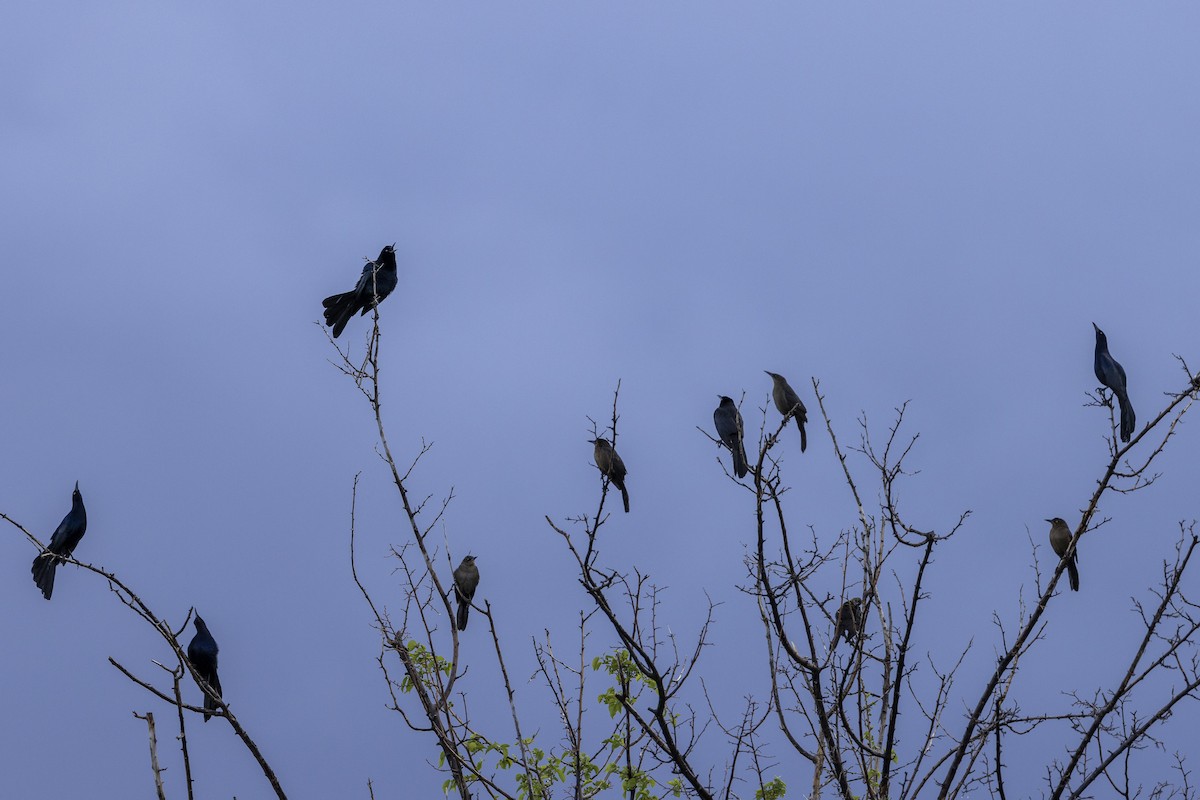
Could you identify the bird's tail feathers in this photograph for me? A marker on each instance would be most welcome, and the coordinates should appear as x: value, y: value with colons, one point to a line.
x: 625, y: 499
x: 43, y: 573
x: 1073, y: 574
x: 210, y: 702
x: 740, y: 467
x: 339, y: 310
x: 1128, y: 419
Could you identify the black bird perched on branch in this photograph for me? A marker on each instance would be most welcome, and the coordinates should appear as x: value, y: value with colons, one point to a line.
x: 848, y: 620
x: 728, y: 420
x: 377, y: 281
x: 611, y: 466
x: 1112, y: 375
x: 62, y: 543
x: 786, y: 400
x: 466, y: 580
x: 1060, y: 539
x: 202, y: 652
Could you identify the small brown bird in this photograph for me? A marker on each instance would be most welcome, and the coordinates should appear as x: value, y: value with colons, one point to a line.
x: 611, y: 466
x: 849, y: 620
x: 1060, y: 539
x: 466, y: 580
x: 786, y: 400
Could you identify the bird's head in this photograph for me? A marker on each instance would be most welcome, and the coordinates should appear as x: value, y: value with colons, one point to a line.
x: 1058, y: 521
x: 1100, y: 337
x: 200, y: 626
x: 468, y: 560
x: 75, y: 495
x: 774, y: 375
x: 725, y: 400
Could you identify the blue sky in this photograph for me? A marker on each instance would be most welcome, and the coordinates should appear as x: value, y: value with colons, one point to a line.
x: 928, y: 203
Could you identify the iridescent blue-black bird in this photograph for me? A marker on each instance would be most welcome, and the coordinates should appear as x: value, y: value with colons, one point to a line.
x: 202, y: 652
x: 1112, y: 375
x: 728, y: 420
x: 62, y: 543
x: 377, y: 281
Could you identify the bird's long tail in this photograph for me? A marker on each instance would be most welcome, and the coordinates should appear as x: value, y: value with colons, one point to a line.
x: 210, y: 703
x: 43, y: 573
x: 464, y: 608
x: 624, y: 497
x: 1073, y: 574
x: 739, y: 461
x: 339, y: 309
x: 1128, y: 419
x: 803, y: 435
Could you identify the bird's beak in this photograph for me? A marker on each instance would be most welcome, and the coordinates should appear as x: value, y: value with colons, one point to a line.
x: 1097, y: 327
x: 1050, y: 521
x: 77, y: 486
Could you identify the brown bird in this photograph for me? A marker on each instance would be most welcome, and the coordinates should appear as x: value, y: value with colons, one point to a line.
x: 1060, y: 540
x: 786, y: 400
x: 849, y: 620
x: 611, y: 466
x: 466, y: 580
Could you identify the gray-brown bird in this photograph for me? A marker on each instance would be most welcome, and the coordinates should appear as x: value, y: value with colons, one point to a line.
x: 787, y: 401
x: 466, y: 580
x: 611, y: 466
x: 728, y: 420
x: 1060, y: 540
x: 848, y: 620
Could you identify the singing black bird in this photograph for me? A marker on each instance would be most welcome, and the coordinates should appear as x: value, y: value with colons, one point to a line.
x: 62, y: 543
x: 377, y: 281
x: 848, y: 620
x: 786, y: 400
x: 202, y: 652
x: 1112, y: 375
x: 1060, y: 538
x: 611, y: 466
x: 728, y: 420
x: 466, y: 580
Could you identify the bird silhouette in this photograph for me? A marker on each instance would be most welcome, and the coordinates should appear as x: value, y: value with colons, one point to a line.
x: 377, y: 281
x: 1112, y: 375
x: 62, y: 544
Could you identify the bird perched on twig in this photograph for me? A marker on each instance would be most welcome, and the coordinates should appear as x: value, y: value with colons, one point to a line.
x: 1060, y: 540
x: 62, y: 544
x: 611, y: 466
x: 848, y: 620
x: 202, y: 652
x: 466, y: 580
x: 377, y: 281
x: 728, y: 420
x: 1112, y: 375
x: 787, y: 401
